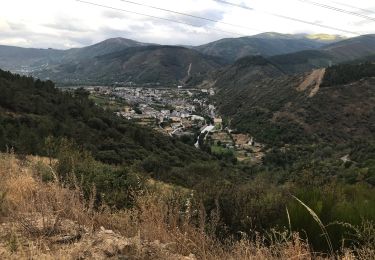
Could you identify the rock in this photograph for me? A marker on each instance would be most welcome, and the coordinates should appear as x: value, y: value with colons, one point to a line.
x: 109, y: 247
x: 67, y: 239
x: 108, y: 231
x: 171, y: 246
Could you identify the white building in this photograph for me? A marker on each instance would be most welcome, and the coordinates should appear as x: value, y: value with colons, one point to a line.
x: 208, y: 129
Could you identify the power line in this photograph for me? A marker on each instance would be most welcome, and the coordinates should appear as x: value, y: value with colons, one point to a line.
x: 189, y: 15
x: 236, y: 5
x: 338, y: 9
x: 354, y: 7
x: 154, y: 17
x: 313, y: 23
x: 287, y: 17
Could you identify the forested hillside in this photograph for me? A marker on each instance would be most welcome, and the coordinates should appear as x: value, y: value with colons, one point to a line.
x: 18, y: 59
x: 156, y: 65
x: 32, y: 110
x: 348, y: 73
x: 120, y: 60
x: 33, y: 59
x: 265, y: 44
x: 303, y: 108
x: 351, y: 50
x: 317, y: 125
x: 98, y: 152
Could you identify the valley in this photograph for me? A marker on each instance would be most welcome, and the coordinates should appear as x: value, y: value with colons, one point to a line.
x: 254, y: 145
x: 187, y: 114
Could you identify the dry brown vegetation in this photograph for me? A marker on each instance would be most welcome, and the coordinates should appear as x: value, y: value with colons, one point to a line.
x: 42, y: 220
x: 312, y: 82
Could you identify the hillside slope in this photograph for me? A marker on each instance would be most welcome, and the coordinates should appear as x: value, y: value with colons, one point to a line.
x: 265, y: 44
x: 150, y: 64
x: 101, y: 48
x: 23, y: 60
x: 246, y: 70
x: 32, y: 110
x: 26, y: 60
x: 127, y: 61
x: 353, y: 49
x: 95, y: 158
x: 337, y: 107
x: 158, y: 227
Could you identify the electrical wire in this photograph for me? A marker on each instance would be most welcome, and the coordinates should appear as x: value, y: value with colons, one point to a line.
x: 338, y: 9
x: 354, y: 7
x: 189, y: 15
x: 288, y: 17
x: 155, y: 17
x: 212, y: 20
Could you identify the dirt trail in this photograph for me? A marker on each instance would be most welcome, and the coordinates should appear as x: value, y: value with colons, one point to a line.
x: 312, y: 82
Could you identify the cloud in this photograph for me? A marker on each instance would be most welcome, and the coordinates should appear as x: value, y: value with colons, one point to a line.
x: 17, y: 26
x: 65, y: 24
x: 363, y: 22
x: 112, y: 14
x: 3, y: 25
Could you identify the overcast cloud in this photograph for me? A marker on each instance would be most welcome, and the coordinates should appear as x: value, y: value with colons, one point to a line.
x: 67, y: 23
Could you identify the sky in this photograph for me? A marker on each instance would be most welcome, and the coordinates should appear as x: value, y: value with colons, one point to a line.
x: 66, y: 24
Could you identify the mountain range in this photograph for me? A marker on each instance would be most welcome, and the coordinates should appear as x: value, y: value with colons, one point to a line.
x: 265, y: 44
x: 30, y: 59
x: 303, y: 106
x: 154, y: 64
x: 130, y: 62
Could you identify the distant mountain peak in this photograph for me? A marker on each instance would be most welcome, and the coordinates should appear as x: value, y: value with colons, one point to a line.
x: 118, y: 40
x: 270, y: 35
x: 265, y: 44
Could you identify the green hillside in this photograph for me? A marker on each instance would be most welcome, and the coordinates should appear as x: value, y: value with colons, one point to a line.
x: 32, y: 59
x: 91, y: 147
x: 32, y: 110
x: 150, y: 64
x: 350, y: 50
x: 279, y: 109
x: 265, y: 44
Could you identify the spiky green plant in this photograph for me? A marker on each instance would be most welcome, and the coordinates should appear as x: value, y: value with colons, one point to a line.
x: 319, y: 222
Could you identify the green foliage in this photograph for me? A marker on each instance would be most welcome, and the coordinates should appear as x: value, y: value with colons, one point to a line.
x: 2, y: 198
x: 32, y: 110
x: 166, y: 65
x: 222, y: 153
x: 45, y: 172
x: 347, y: 73
x: 94, y: 148
x: 13, y: 243
x: 114, y: 185
x: 271, y: 108
x: 333, y: 205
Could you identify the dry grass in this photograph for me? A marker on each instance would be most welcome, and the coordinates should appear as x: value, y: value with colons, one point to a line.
x: 29, y: 201
x: 48, y: 221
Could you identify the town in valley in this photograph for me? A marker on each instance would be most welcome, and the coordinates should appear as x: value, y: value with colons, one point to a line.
x: 185, y: 113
